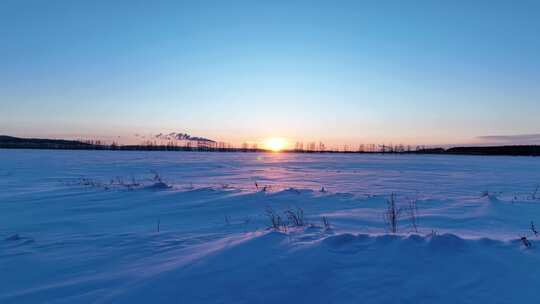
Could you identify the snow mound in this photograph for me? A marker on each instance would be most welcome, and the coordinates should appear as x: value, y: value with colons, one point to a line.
x: 158, y: 186
x: 347, y: 268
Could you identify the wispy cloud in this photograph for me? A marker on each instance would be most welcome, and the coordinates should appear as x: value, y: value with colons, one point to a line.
x: 520, y: 139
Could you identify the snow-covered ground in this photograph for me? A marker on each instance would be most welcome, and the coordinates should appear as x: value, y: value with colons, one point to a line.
x: 176, y: 227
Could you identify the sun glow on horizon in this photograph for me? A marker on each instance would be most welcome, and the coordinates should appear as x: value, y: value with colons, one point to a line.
x: 275, y: 144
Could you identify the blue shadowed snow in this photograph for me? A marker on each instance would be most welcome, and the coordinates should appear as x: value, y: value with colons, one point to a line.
x: 82, y: 227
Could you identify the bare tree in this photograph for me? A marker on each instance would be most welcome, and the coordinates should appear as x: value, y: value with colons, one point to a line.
x: 245, y: 147
x: 299, y: 147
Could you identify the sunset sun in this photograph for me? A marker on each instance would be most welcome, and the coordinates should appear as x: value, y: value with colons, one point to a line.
x: 275, y: 144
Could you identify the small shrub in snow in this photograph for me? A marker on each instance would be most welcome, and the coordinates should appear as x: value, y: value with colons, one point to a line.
x: 526, y: 242
x: 88, y: 182
x: 159, y: 186
x: 129, y: 185
x: 488, y: 194
x: 156, y: 177
x: 392, y: 214
x: 413, y: 211
x: 295, y: 217
x: 326, y: 223
x: 134, y: 182
x: 534, y: 195
x: 158, y: 182
x: 262, y: 188
x: 533, y: 229
x: 275, y: 220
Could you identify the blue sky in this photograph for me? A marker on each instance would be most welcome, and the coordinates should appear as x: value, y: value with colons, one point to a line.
x: 427, y: 72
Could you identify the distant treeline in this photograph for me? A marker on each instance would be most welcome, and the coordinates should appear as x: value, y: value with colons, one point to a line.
x: 9, y: 142
x: 497, y: 150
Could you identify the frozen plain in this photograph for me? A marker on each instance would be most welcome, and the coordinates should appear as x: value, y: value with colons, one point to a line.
x: 101, y: 227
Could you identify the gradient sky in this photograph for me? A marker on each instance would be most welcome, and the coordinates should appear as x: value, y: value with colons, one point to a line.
x: 426, y: 72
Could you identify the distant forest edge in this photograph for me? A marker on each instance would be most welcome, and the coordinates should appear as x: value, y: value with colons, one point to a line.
x: 9, y: 142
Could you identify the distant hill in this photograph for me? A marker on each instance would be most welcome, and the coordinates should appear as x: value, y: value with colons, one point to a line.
x: 10, y: 142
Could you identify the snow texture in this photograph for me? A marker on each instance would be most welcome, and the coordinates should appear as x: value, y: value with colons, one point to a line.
x: 179, y: 227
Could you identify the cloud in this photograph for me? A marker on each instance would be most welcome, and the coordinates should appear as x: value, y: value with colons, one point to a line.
x: 521, y: 139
